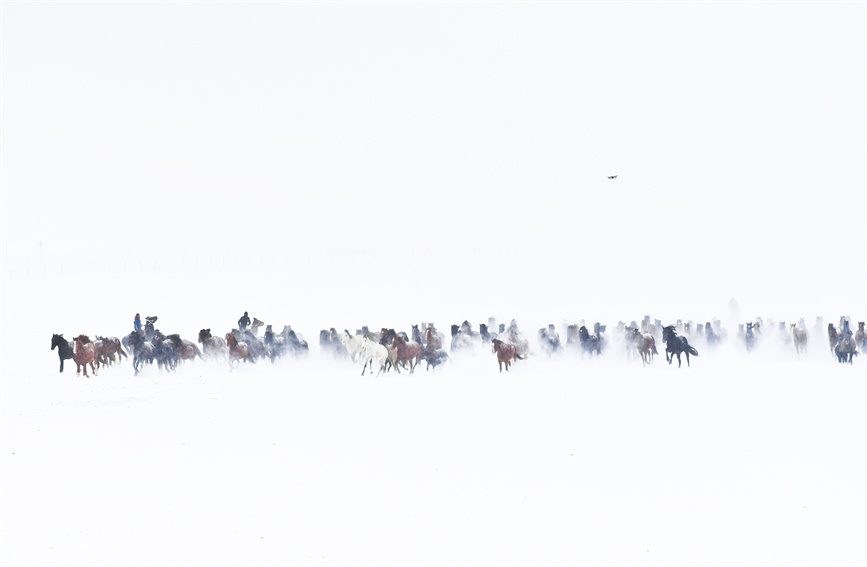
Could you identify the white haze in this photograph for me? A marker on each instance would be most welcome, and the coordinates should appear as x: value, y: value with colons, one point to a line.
x: 339, y: 165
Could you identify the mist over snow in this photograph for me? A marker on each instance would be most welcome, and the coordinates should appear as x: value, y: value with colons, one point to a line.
x: 342, y: 165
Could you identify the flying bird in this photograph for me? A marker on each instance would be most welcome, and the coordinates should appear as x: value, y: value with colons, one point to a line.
x: 612, y: 177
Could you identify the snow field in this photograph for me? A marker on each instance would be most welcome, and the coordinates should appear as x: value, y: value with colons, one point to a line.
x: 558, y: 462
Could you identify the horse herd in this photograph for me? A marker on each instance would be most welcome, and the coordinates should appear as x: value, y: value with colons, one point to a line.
x: 388, y: 350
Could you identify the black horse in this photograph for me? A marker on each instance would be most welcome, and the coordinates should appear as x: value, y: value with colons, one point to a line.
x: 64, y: 349
x: 750, y: 336
x: 142, y: 351
x: 675, y: 345
x: 590, y: 343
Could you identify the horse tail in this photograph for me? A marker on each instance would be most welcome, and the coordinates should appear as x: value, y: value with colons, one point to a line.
x: 657, y: 352
x: 123, y: 353
x: 519, y: 357
x: 691, y: 350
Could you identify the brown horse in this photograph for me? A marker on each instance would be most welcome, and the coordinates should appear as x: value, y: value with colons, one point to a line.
x: 799, y: 338
x: 237, y: 350
x: 185, y: 349
x: 432, y: 341
x: 506, y: 353
x: 85, y: 353
x: 832, y: 336
x: 111, y: 347
x: 407, y: 352
x: 645, y: 344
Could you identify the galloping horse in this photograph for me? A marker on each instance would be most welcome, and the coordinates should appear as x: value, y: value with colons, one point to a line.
x: 64, y: 349
x: 211, y: 345
x: 434, y: 358
x: 750, y: 336
x: 846, y: 349
x: 506, y: 353
x: 142, y: 351
x: 373, y: 354
x: 433, y: 341
x: 645, y: 344
x: 832, y: 336
x: 589, y: 343
x: 85, y: 353
x: 799, y: 338
x: 407, y: 352
x: 112, y: 347
x: 861, y: 336
x: 237, y: 350
x: 675, y: 345
x: 352, y: 344
x: 185, y: 349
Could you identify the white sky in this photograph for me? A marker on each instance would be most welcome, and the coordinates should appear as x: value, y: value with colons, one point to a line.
x: 470, y: 140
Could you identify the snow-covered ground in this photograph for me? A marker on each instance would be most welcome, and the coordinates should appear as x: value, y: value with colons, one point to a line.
x: 737, y: 460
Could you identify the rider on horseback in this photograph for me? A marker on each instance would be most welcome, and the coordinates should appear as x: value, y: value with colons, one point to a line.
x: 243, y: 322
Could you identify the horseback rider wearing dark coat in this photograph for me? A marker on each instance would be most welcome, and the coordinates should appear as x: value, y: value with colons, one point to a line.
x: 243, y: 322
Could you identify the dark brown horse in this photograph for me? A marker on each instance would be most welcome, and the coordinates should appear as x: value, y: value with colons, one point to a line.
x: 85, y: 353
x: 185, y: 350
x: 237, y: 350
x: 506, y: 353
x: 832, y: 336
x: 211, y: 345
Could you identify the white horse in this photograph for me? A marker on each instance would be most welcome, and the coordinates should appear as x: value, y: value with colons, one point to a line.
x: 352, y: 344
x: 373, y: 354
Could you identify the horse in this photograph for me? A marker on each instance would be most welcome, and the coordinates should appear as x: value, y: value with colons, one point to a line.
x: 645, y: 344
x: 861, y: 336
x: 100, y: 354
x: 434, y: 358
x: 675, y: 345
x: 111, y: 348
x: 433, y: 341
x: 373, y: 353
x: 506, y: 353
x: 799, y: 338
x: 407, y: 352
x: 845, y: 348
x: 832, y: 336
x: 549, y: 339
x: 238, y: 350
x: 352, y: 345
x: 85, y: 353
x: 165, y: 352
x: 185, y: 349
x: 142, y: 351
x: 461, y: 340
x: 295, y: 345
x: 589, y: 343
x: 64, y: 349
x: 211, y: 345
x: 750, y: 336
